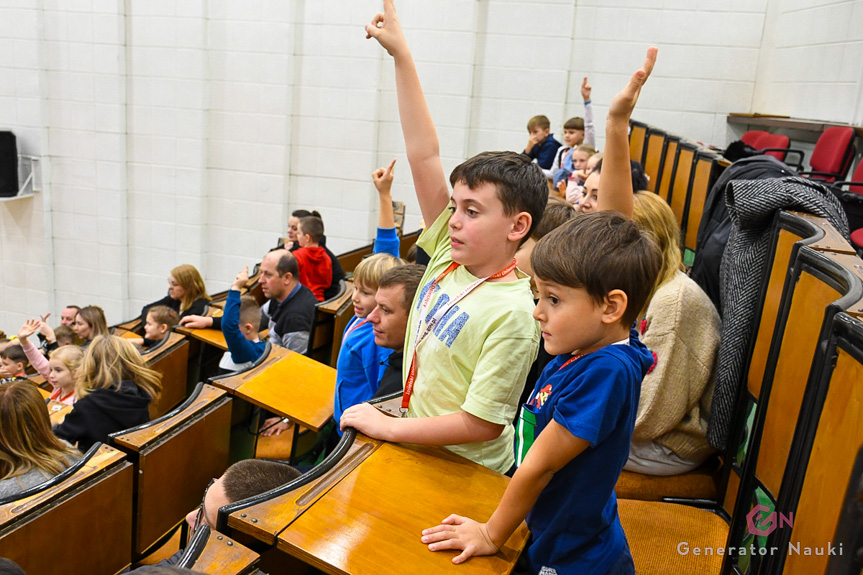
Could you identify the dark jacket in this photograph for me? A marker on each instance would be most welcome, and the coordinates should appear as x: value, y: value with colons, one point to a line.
x: 102, y: 412
x: 197, y: 308
x: 544, y: 152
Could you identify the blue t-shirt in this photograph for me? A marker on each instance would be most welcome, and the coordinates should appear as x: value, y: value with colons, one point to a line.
x: 359, y: 368
x: 574, y: 524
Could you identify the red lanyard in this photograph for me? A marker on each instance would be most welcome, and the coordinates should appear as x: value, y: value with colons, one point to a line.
x: 61, y: 399
x: 430, y: 325
x: 570, y: 360
x: 355, y: 326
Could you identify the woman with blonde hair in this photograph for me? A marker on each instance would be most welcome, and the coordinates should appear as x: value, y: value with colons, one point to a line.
x: 29, y: 453
x: 114, y: 389
x: 681, y: 327
x: 187, y: 294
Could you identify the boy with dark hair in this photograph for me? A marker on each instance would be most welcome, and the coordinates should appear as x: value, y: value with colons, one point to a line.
x: 13, y: 361
x: 241, y: 320
x: 594, y: 274
x: 470, y: 337
x: 316, y: 269
x: 541, y: 145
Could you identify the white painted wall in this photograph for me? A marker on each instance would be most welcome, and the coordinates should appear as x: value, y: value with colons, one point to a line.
x: 186, y: 132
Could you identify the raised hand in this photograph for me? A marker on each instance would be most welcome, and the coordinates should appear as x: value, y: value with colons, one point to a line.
x: 386, y: 29
x: 383, y: 178
x: 30, y: 327
x: 585, y: 90
x: 241, y: 280
x: 623, y: 103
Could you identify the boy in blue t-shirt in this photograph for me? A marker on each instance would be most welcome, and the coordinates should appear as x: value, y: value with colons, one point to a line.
x: 594, y: 274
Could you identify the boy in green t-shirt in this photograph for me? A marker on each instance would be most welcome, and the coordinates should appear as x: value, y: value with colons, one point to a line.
x: 471, y: 337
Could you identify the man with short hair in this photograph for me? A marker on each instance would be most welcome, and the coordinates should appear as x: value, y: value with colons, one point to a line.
x: 394, y: 297
x: 68, y: 315
x: 290, y: 311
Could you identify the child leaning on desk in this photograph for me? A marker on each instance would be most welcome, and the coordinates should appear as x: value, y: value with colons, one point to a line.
x: 361, y: 362
x: 471, y: 337
x: 594, y: 275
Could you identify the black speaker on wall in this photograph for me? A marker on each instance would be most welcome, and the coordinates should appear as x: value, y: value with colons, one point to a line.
x: 8, y: 165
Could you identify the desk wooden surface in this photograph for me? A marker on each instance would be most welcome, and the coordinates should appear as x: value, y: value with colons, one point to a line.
x: 57, y: 411
x: 224, y: 556
x: 213, y: 337
x: 370, y: 522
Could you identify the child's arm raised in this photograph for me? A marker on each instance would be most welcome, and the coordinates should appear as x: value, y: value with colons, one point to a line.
x: 386, y: 239
x: 615, y: 183
x: 421, y: 141
x: 554, y: 448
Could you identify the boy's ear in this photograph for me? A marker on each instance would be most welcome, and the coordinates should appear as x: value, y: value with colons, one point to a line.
x: 614, y: 306
x: 520, y: 227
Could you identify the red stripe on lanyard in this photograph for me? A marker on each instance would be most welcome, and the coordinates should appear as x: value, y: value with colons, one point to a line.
x: 421, y: 335
x: 355, y: 326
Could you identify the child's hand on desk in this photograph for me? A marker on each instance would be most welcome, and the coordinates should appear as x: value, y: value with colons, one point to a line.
x: 367, y: 419
x: 196, y: 322
x: 457, y: 532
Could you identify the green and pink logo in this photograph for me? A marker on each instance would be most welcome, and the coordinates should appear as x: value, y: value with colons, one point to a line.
x: 762, y: 521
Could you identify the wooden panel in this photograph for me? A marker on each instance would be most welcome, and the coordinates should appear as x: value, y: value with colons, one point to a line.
x: 173, y: 364
x: 334, y: 305
x: 731, y: 492
x: 377, y: 512
x: 667, y: 175
x: 832, y: 240
x: 839, y: 436
x: 637, y: 134
x: 266, y: 520
x: 349, y: 260
x: 131, y: 325
x: 855, y: 265
x: 769, y: 310
x: 652, y: 158
x: 700, y: 188
x: 680, y: 186
x: 90, y: 514
x: 799, y: 340
x: 224, y: 556
x: 233, y: 382
x: 173, y: 472
x: 296, y: 387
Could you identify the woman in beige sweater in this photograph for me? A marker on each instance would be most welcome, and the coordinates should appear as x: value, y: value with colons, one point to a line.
x: 681, y: 327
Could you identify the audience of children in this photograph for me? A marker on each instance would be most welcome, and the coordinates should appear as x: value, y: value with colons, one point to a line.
x: 61, y: 367
x: 13, y: 362
x: 681, y: 327
x: 187, y: 293
x: 29, y: 453
x: 464, y: 365
x: 114, y: 388
x: 541, y: 145
x: 241, y: 321
x: 316, y: 268
x: 89, y: 323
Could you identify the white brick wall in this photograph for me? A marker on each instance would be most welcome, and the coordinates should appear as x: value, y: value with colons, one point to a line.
x: 186, y: 132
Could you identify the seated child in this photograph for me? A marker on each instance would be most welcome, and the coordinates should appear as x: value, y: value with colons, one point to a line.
x: 316, y: 269
x: 160, y: 320
x: 241, y: 322
x: 293, y: 245
x: 541, y: 145
x: 576, y: 131
x: 570, y: 183
x: 470, y: 336
x: 595, y: 274
x: 60, y: 369
x: 13, y: 362
x: 64, y: 335
x: 114, y: 388
x: 557, y: 212
x: 361, y: 362
x: 31, y: 453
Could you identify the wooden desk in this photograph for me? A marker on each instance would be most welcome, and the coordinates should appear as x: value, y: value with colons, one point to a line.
x: 224, y: 556
x: 213, y: 337
x: 376, y: 513
x: 288, y: 384
x: 57, y: 411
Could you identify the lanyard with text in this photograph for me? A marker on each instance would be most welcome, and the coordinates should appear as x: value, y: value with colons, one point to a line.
x: 421, y: 333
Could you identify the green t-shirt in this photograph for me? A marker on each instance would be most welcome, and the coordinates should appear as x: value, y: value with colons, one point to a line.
x: 477, y: 358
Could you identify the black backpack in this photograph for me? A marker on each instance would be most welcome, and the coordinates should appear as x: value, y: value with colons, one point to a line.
x: 715, y: 226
